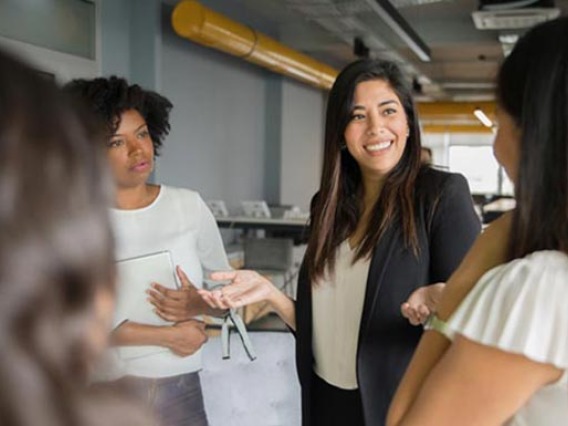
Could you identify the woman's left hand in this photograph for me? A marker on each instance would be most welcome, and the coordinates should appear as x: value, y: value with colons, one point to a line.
x: 176, y: 305
x: 421, y: 303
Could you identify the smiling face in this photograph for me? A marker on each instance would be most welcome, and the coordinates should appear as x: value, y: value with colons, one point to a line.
x: 130, y: 151
x: 378, y: 129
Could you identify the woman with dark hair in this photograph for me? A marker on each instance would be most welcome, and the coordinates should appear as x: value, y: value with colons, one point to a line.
x: 508, y: 359
x: 149, y: 218
x: 56, y: 259
x: 382, y: 228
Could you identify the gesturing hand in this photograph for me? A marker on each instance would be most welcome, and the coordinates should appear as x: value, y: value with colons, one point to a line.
x: 176, y: 305
x: 421, y: 303
x: 185, y: 338
x: 246, y: 287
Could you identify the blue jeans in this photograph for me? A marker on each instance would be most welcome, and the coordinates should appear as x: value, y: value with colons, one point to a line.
x: 176, y: 400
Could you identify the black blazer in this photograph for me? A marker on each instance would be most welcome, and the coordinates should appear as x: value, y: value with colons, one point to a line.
x: 447, y: 226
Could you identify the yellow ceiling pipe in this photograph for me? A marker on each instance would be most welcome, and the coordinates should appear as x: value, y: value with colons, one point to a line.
x: 454, y: 109
x: 455, y: 128
x: 195, y: 22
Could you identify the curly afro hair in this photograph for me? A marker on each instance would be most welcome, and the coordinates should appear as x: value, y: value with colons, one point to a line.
x: 109, y: 97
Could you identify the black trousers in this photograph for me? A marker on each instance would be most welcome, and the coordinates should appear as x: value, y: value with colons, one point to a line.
x: 333, y: 406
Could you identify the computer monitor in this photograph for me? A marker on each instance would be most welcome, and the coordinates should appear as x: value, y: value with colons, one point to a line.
x: 256, y: 209
x: 218, y: 208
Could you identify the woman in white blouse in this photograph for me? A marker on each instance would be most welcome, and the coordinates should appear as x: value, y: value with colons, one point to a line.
x: 508, y: 358
x: 146, y: 219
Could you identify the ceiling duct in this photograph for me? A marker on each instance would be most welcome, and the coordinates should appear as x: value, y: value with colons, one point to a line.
x: 513, y: 15
x: 349, y: 18
x: 386, y: 11
x: 364, y: 19
x: 195, y: 22
x: 409, y: 3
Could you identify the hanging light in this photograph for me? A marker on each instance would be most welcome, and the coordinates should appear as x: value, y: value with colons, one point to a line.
x: 481, y: 116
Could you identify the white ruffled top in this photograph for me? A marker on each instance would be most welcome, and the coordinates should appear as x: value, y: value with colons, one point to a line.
x: 522, y: 307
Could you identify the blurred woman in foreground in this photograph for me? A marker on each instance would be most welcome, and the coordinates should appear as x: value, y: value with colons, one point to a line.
x: 56, y: 259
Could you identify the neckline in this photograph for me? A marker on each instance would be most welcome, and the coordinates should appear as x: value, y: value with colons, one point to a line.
x: 348, y: 246
x: 161, y: 189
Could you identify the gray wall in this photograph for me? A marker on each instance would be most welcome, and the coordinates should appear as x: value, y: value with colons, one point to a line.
x: 131, y: 39
x: 217, y: 141
x: 115, y: 37
x: 239, y: 132
x: 302, y: 143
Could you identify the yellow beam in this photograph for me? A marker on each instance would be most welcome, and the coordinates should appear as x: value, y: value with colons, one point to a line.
x: 195, y: 22
x: 456, y: 128
x: 436, y: 109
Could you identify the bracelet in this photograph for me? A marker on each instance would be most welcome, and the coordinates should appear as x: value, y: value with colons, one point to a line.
x: 436, y: 324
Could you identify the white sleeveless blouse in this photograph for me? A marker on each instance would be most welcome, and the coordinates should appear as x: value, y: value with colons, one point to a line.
x: 522, y: 307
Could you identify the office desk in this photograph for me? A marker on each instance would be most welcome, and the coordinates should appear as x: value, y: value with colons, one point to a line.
x: 493, y: 210
x: 294, y: 227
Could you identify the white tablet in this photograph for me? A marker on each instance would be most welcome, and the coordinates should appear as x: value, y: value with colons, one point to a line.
x: 134, y: 277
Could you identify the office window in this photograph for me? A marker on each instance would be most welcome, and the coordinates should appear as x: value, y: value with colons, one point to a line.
x: 480, y: 168
x: 66, y: 26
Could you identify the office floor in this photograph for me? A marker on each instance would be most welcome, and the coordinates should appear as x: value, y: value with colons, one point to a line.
x: 264, y: 392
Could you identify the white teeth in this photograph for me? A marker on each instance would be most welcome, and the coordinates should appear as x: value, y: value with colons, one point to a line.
x: 378, y: 146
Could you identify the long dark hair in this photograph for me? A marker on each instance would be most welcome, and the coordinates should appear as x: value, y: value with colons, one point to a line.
x: 56, y: 252
x: 532, y: 87
x: 336, y: 208
x: 109, y: 97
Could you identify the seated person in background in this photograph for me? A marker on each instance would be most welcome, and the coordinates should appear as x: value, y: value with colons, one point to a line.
x: 508, y: 358
x: 56, y: 260
x: 426, y: 155
x: 383, y: 227
x: 149, y: 218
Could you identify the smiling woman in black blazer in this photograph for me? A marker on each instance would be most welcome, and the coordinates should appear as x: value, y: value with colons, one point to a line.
x: 382, y: 227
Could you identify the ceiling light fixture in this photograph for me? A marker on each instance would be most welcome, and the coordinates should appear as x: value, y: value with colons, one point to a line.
x: 481, y: 116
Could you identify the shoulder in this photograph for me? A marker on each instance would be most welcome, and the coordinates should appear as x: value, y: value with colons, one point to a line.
x: 186, y: 200
x: 439, y: 191
x: 181, y: 194
x: 433, y: 181
x: 521, y: 307
x: 546, y: 268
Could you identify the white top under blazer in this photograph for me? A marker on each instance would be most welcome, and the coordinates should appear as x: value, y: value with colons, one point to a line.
x: 337, y: 306
x: 522, y: 307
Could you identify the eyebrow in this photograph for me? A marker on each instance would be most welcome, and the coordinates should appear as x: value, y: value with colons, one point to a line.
x: 381, y: 104
x: 138, y: 128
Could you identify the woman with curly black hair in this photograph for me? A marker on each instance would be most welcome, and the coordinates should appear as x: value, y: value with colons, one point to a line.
x: 149, y: 218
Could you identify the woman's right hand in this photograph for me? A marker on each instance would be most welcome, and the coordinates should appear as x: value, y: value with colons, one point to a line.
x: 246, y: 287
x: 185, y: 338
